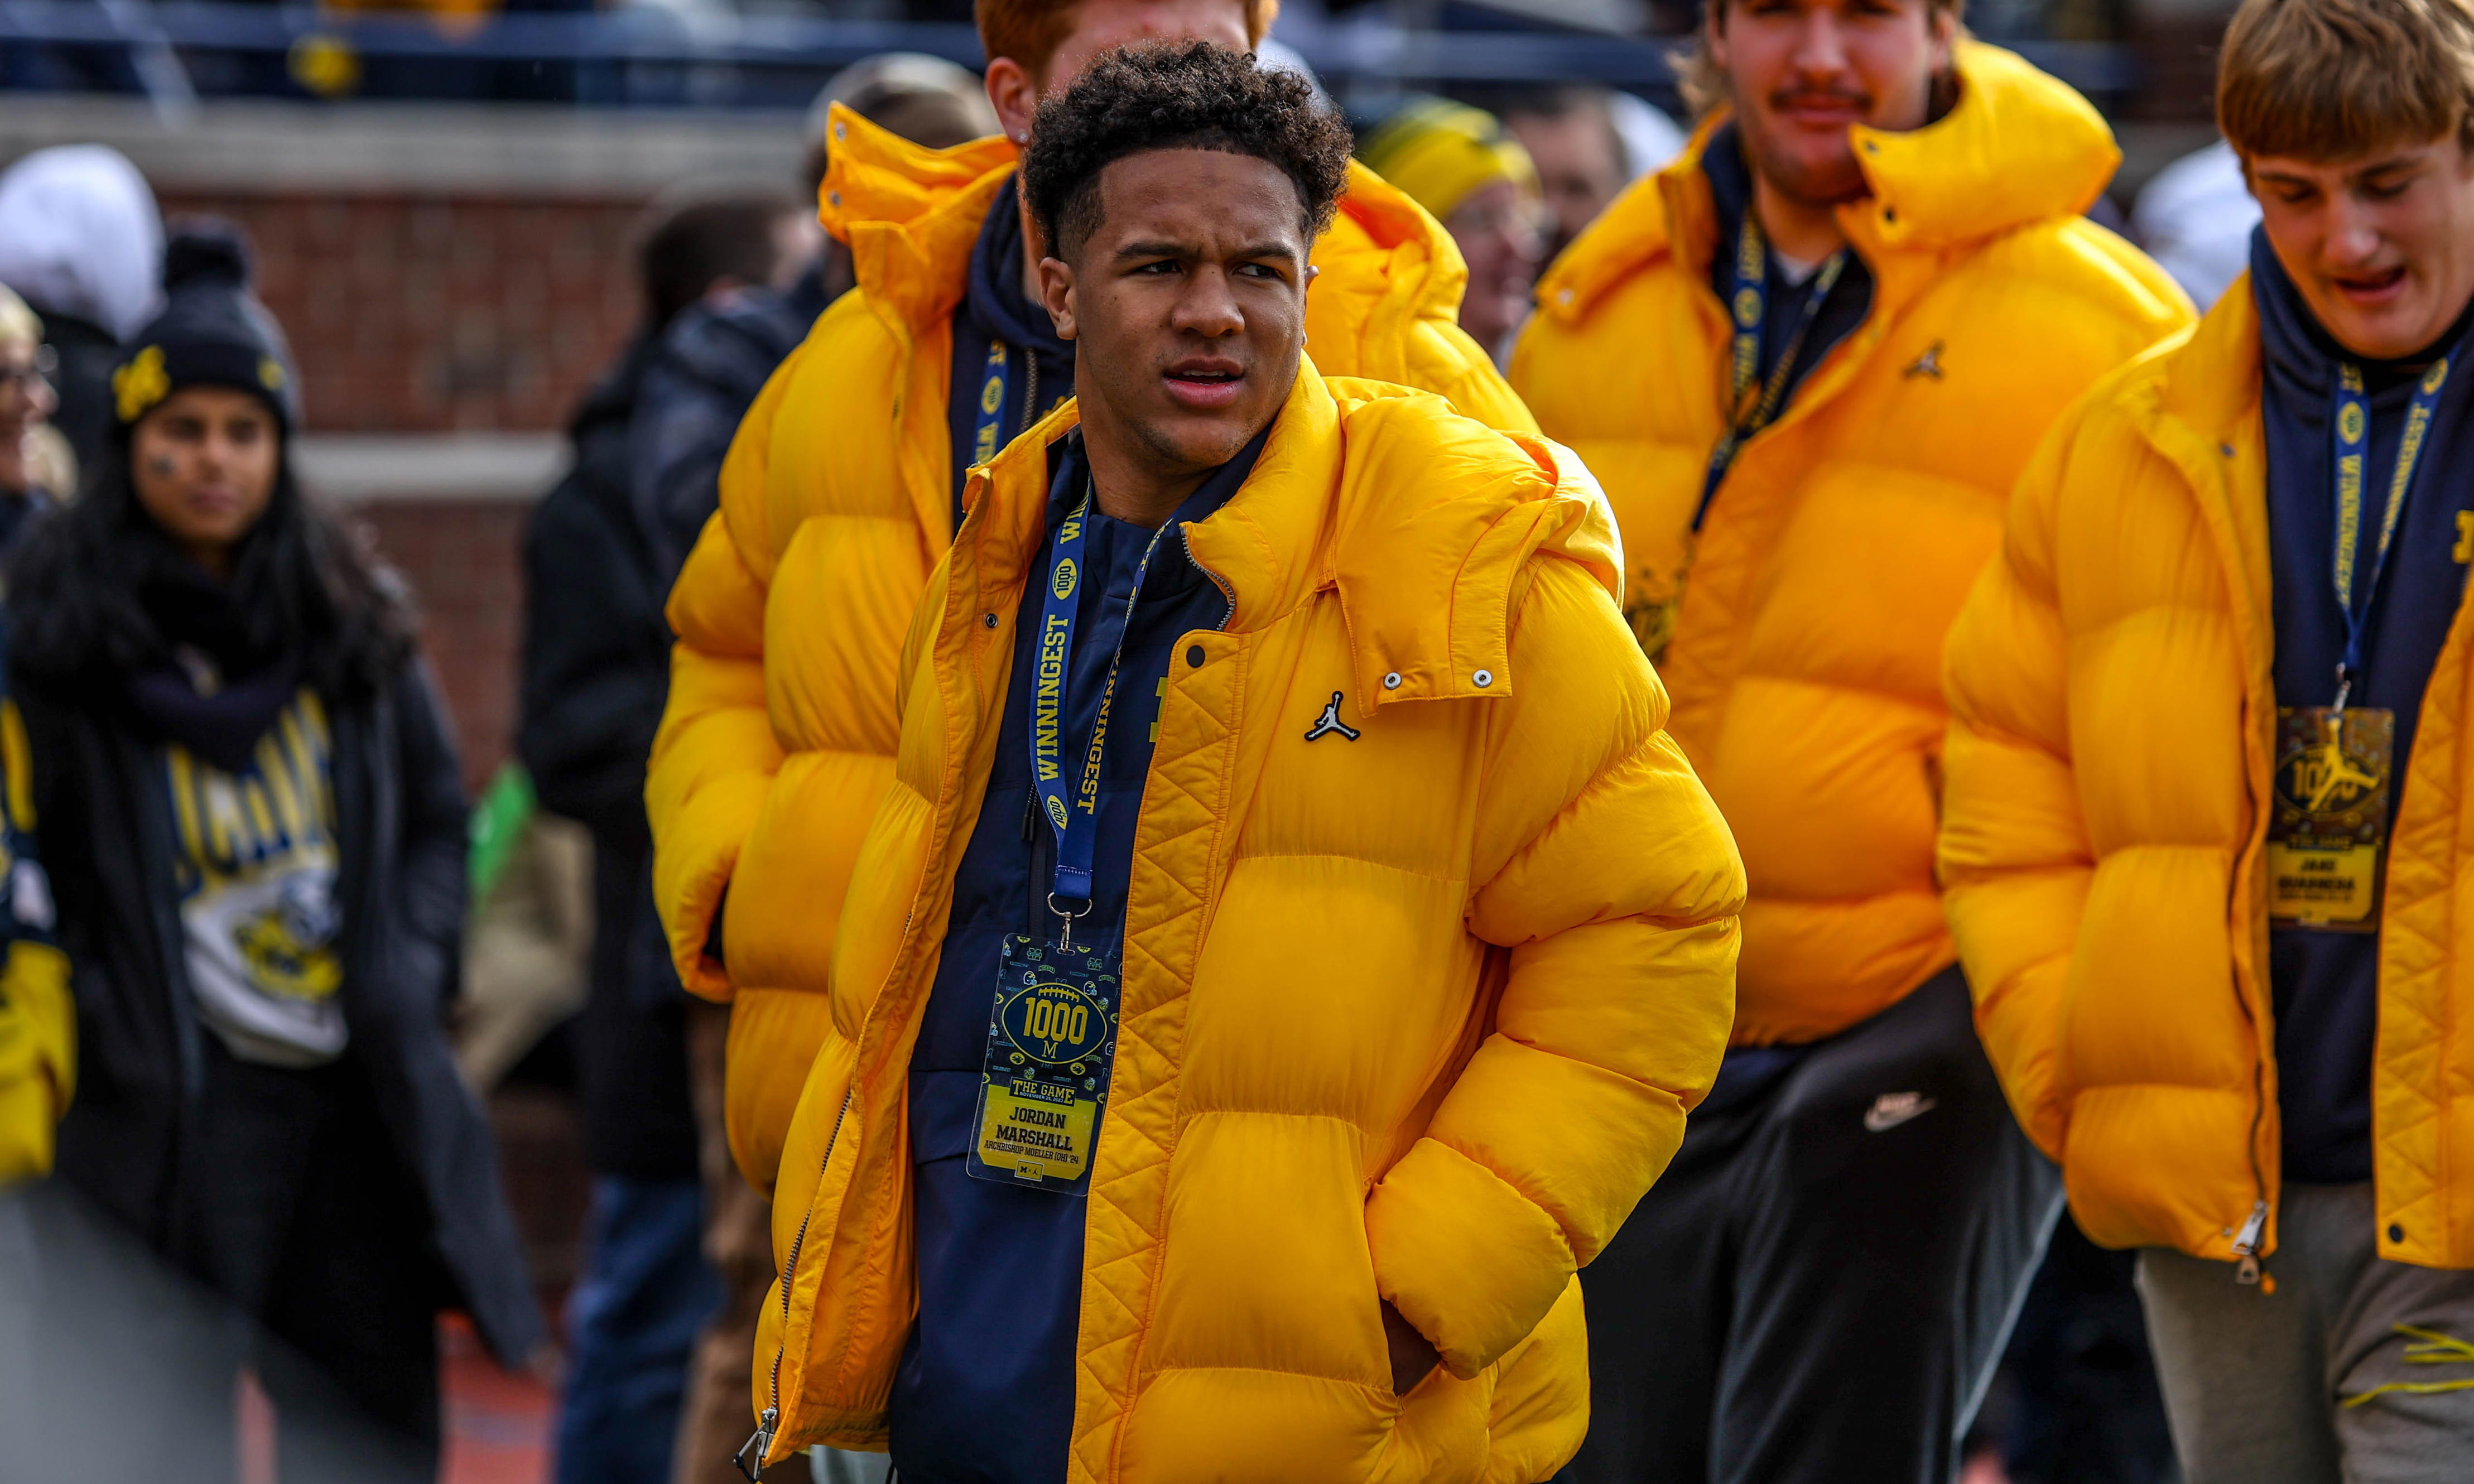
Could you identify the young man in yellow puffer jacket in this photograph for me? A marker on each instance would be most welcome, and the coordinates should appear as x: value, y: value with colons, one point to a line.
x: 1290, y: 941
x: 1805, y: 494
x: 842, y: 490
x: 2207, y: 838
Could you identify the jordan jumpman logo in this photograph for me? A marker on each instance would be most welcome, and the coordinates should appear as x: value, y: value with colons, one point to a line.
x: 1330, y: 722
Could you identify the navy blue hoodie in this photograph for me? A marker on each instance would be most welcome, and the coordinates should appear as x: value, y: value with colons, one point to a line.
x: 2325, y: 984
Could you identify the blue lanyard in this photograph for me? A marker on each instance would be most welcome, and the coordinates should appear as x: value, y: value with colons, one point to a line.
x: 997, y: 382
x: 1748, y: 305
x: 1073, y: 813
x: 2351, y: 427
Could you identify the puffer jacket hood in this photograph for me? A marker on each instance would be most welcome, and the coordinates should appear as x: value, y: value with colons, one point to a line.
x: 1800, y: 627
x: 768, y: 767
x: 1511, y: 865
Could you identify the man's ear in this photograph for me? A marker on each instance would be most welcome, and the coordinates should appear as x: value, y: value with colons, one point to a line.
x: 1056, y: 295
x: 1714, y: 35
x: 1944, y: 22
x: 1014, y: 93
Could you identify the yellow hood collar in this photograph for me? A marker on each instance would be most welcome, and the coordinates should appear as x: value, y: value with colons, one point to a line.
x: 910, y: 214
x: 2018, y: 147
x: 1422, y: 518
x: 1419, y: 263
x: 2212, y: 386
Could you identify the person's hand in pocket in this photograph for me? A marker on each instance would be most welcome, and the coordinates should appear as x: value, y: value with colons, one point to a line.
x: 1412, y: 1357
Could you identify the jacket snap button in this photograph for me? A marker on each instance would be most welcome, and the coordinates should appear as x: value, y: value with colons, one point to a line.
x: 1483, y: 678
x: 2225, y: 448
x: 835, y: 197
x: 988, y: 619
x: 1392, y: 681
x: 2396, y: 1233
x: 1194, y: 657
x: 841, y: 131
x: 1564, y: 296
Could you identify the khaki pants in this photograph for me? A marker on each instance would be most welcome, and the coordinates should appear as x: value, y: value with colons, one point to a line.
x: 719, y: 1414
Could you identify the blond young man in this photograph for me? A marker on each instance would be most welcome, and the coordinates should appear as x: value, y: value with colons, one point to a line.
x: 1808, y: 360
x: 2205, y: 834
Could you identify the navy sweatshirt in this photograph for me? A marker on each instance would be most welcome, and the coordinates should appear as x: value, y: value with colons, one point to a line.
x: 2325, y: 984
x: 984, y: 1393
x: 994, y: 308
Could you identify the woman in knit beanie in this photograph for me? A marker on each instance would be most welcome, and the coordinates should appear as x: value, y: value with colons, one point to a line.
x: 255, y: 827
x: 1473, y: 177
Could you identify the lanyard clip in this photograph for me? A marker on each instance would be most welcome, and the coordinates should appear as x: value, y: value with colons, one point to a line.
x: 1065, y: 937
x: 2345, y: 688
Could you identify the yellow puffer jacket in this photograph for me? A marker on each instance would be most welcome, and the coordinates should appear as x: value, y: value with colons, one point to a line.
x: 835, y: 500
x: 2112, y: 712
x: 37, y: 1017
x: 1805, y: 662
x: 1527, y: 896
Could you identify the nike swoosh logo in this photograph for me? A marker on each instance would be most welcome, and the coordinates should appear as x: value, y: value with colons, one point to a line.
x: 1893, y: 1109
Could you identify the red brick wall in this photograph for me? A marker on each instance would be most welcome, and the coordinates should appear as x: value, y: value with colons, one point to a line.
x: 427, y: 314
x: 463, y: 559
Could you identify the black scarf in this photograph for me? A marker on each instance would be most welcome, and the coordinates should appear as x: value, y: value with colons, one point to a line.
x: 220, y: 690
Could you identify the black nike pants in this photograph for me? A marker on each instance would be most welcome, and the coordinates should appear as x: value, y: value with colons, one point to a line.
x: 1817, y: 1290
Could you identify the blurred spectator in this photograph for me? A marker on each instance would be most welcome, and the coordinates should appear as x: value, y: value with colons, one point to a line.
x: 698, y: 384
x: 2083, y: 1404
x: 2196, y: 218
x: 595, y: 670
x: 35, y: 464
x: 1457, y: 162
x: 1571, y: 135
x: 253, y: 819
x: 1651, y: 140
x: 81, y: 241
x: 527, y: 956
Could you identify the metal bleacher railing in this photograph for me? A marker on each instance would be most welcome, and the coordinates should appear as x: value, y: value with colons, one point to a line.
x: 646, y: 56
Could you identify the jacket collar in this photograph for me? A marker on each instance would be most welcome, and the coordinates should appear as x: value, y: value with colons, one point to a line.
x: 2018, y: 147
x: 911, y: 216
x: 1405, y: 253
x: 1423, y: 520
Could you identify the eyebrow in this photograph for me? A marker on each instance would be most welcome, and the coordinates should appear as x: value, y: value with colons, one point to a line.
x: 2392, y: 164
x: 1278, y: 250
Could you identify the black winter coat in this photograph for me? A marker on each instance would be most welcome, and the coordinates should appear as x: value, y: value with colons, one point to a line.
x: 108, y: 835
x: 596, y: 670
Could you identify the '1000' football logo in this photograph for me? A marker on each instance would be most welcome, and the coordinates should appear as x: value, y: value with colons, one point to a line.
x: 1054, y: 1023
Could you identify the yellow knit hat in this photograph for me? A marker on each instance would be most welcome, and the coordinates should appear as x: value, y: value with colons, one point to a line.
x: 1437, y: 152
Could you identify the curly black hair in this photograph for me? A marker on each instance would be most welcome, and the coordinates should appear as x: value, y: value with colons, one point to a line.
x: 1177, y: 95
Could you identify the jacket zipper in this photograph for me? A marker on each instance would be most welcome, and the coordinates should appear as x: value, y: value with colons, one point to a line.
x: 750, y: 1457
x: 1185, y: 537
x: 2247, y: 1243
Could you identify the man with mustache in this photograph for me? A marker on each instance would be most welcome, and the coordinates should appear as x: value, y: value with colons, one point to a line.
x: 2209, y: 762
x: 1808, y: 360
x: 1289, y: 941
